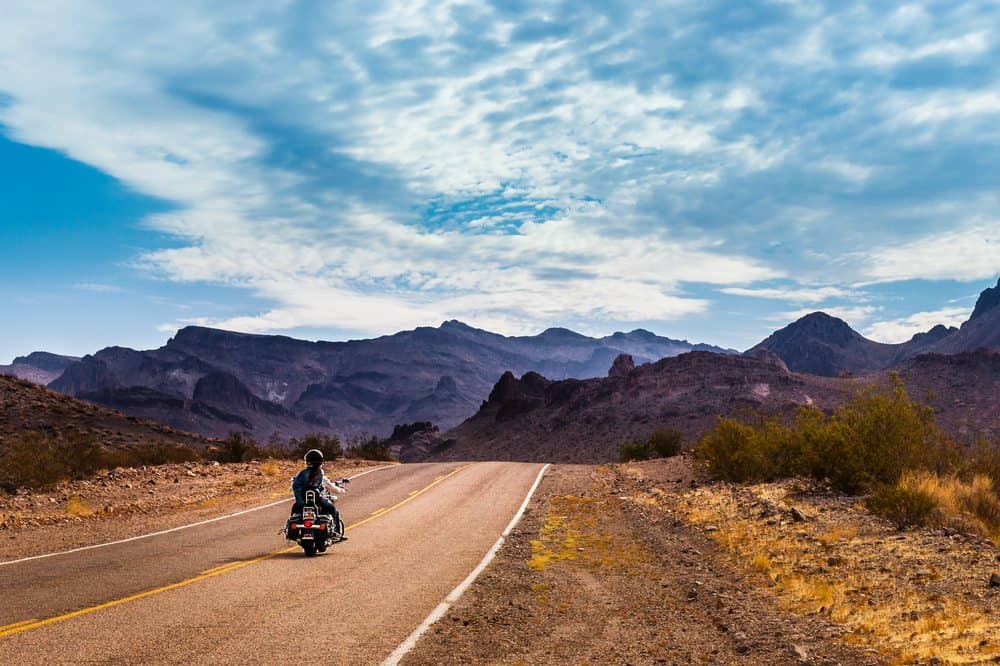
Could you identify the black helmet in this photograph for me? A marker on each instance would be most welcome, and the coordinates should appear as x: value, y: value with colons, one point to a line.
x: 314, y: 457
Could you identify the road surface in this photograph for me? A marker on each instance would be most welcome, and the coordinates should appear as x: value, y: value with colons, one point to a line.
x: 232, y: 592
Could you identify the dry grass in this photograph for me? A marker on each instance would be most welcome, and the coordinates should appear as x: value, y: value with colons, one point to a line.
x: 78, y: 508
x: 572, y: 533
x: 967, y: 505
x: 269, y: 468
x: 852, y: 573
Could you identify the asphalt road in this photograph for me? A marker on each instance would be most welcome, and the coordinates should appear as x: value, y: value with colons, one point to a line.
x: 233, y: 592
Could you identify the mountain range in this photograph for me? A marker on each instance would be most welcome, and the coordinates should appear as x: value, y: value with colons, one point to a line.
x: 212, y: 381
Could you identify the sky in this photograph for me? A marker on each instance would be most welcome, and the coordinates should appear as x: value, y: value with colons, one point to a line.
x: 704, y: 170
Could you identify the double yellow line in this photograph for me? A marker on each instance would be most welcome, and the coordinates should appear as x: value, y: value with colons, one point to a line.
x: 28, y: 625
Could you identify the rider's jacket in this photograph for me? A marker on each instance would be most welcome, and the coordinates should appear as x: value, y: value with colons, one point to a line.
x: 301, y: 483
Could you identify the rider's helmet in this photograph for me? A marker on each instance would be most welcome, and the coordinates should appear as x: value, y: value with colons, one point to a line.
x: 314, y: 457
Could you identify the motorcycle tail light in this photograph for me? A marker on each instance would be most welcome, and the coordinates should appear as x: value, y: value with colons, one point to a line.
x: 309, y: 523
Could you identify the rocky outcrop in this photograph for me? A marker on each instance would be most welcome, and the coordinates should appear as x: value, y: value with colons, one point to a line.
x: 38, y: 367
x: 622, y: 366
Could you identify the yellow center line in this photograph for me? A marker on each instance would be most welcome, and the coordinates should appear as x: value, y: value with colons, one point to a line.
x: 27, y: 625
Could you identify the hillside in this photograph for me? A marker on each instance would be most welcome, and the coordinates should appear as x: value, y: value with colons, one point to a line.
x: 537, y: 419
x: 212, y: 381
x: 534, y: 418
x: 26, y: 407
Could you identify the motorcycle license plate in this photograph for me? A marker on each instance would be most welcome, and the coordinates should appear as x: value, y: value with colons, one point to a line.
x: 307, y: 536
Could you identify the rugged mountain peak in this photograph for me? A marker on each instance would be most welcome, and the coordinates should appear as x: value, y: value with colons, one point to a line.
x: 938, y: 332
x: 768, y: 357
x: 558, y: 334
x: 46, y: 361
x: 828, y: 328
x: 622, y: 366
x: 989, y: 298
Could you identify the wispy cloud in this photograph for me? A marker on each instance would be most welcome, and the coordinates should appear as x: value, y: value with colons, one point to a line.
x: 901, y: 330
x: 386, y: 164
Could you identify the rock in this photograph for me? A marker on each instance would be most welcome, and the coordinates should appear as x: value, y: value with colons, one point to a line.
x: 921, y: 573
x: 995, y: 579
x: 800, y: 653
x: 692, y: 594
x: 622, y: 366
x: 798, y: 516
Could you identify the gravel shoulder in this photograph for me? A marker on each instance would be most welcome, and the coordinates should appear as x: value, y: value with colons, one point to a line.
x: 605, y: 569
x: 127, y: 502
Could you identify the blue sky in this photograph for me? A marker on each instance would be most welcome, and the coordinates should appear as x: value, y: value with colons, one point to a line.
x: 708, y: 170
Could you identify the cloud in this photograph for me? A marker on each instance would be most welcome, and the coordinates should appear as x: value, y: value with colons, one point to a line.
x: 98, y: 287
x: 796, y: 295
x: 970, y: 253
x: 377, y: 165
x: 901, y: 330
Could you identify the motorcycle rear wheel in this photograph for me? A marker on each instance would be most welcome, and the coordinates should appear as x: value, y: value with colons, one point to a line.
x: 309, y: 547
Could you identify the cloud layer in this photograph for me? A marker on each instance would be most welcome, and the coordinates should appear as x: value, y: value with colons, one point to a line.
x: 380, y: 165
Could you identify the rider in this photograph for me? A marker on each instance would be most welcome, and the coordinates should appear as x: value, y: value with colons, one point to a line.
x: 312, y: 478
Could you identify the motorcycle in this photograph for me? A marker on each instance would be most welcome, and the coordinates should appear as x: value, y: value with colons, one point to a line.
x: 313, y: 530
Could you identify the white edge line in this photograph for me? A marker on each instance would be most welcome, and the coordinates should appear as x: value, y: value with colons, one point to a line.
x: 173, y: 529
x: 442, y: 608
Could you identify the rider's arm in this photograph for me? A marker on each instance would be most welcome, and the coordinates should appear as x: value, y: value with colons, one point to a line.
x: 299, y: 486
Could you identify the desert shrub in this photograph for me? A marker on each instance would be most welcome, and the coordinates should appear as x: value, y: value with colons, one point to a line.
x: 29, y: 460
x: 665, y: 442
x: 968, y: 504
x: 633, y: 450
x: 370, y: 448
x: 328, y: 444
x: 238, y: 447
x: 738, y: 452
x: 869, y: 441
x: 903, y: 506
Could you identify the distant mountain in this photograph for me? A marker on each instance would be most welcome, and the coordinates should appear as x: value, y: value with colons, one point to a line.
x: 820, y: 344
x: 38, y: 367
x: 533, y: 418
x: 981, y: 331
x: 213, y: 381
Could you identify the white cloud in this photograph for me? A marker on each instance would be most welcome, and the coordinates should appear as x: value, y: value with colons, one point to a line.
x: 901, y: 330
x: 98, y: 287
x: 892, y: 54
x: 970, y: 253
x: 795, y: 295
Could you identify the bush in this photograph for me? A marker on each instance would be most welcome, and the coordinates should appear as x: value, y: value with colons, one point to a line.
x: 328, y: 444
x: 238, y: 447
x: 663, y: 443
x: 903, y: 506
x: 371, y: 448
x: 870, y: 441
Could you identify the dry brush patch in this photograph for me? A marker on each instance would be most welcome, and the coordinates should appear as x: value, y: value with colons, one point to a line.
x: 914, y: 596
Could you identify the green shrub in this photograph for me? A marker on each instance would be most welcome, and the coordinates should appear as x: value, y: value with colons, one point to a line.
x: 29, y: 460
x: 328, y: 444
x: 371, y: 448
x: 871, y: 440
x: 903, y: 506
x: 238, y: 447
x: 665, y: 443
x: 633, y: 450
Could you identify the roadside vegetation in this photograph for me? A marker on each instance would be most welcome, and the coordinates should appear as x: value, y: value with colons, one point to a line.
x: 37, y: 460
x: 663, y: 443
x: 882, y: 444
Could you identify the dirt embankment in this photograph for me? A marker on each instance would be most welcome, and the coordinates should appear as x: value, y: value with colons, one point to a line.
x: 644, y: 564
x: 122, y: 502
